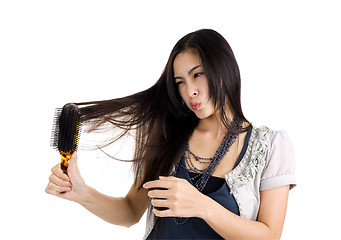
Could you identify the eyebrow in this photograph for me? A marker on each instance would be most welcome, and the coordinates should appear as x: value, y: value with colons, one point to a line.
x: 189, y: 72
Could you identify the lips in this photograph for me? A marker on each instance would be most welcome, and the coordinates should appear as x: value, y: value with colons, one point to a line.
x: 195, y: 106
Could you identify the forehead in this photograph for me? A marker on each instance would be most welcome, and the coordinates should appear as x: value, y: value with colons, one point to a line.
x: 186, y: 60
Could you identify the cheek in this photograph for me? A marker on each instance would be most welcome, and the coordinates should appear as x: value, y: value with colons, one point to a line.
x: 182, y: 92
x: 204, y: 88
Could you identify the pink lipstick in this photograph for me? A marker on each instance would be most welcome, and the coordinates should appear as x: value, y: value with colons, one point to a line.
x: 195, y: 106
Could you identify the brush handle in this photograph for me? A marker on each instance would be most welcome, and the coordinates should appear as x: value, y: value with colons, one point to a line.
x: 64, y: 161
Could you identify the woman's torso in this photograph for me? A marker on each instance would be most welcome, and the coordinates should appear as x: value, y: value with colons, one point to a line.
x: 216, y: 188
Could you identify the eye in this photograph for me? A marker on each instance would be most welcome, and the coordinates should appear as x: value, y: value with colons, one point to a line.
x: 178, y: 83
x: 198, y: 74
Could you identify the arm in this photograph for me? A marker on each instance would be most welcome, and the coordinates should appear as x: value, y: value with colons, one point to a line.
x: 124, y: 211
x: 270, y: 218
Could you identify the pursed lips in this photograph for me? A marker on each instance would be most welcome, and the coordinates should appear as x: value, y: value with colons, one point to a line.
x: 195, y: 106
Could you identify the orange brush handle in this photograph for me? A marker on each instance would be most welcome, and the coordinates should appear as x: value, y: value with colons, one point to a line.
x: 65, y: 160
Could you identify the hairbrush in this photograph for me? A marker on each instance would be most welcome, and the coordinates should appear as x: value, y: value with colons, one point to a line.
x: 66, y: 132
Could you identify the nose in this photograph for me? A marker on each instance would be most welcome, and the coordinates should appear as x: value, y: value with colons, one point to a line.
x: 193, y: 90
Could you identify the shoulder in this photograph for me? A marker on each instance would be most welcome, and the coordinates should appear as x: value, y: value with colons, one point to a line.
x: 264, y: 133
x: 269, y: 158
x: 254, y: 160
x: 272, y: 139
x: 279, y: 164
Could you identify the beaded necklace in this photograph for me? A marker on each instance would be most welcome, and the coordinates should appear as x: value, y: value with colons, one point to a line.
x: 224, y: 147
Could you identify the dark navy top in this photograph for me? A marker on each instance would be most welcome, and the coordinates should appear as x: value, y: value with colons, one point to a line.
x: 197, y: 228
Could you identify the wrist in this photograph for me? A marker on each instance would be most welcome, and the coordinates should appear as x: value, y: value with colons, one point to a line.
x: 205, y: 207
x: 84, y: 196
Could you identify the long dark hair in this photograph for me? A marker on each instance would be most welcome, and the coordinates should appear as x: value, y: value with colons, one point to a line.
x: 159, y: 121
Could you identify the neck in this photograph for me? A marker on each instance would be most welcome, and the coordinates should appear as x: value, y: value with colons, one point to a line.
x: 213, y: 125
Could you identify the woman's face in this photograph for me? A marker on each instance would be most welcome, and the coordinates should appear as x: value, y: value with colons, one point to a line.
x: 192, y: 83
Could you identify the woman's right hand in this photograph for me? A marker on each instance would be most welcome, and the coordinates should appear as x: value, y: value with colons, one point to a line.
x: 72, y: 186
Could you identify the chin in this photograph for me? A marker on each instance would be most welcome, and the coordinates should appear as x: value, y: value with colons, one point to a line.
x: 203, y: 115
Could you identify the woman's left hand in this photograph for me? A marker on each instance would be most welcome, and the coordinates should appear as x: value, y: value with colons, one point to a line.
x: 178, y: 195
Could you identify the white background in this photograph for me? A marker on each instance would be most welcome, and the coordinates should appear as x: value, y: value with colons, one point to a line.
x: 54, y: 52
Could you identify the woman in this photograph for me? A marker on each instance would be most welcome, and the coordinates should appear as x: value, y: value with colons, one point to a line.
x: 201, y: 169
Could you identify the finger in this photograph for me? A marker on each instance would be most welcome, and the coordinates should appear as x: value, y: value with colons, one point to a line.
x: 160, y: 203
x: 56, y: 170
x: 73, y: 158
x: 59, y: 182
x: 55, y: 188
x: 172, y: 180
x: 73, y: 168
x: 50, y: 191
x: 162, y: 213
x: 169, y: 178
x: 55, y: 193
x: 158, y: 193
x: 157, y: 184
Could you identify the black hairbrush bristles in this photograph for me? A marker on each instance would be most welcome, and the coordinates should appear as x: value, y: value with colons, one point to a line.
x: 66, y: 132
